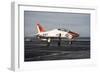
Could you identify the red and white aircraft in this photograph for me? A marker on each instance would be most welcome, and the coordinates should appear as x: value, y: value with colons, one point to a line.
x: 55, y: 33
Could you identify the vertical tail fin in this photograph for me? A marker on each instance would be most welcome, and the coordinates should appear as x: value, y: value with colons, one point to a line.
x: 40, y: 28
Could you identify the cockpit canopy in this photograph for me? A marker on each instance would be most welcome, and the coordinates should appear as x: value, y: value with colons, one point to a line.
x: 62, y: 29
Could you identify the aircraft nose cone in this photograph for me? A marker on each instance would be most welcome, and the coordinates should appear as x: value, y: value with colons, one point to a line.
x: 74, y: 34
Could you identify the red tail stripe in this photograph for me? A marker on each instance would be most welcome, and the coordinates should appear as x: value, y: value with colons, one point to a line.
x: 41, y: 28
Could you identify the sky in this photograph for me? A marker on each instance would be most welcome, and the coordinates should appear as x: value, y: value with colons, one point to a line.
x: 77, y: 22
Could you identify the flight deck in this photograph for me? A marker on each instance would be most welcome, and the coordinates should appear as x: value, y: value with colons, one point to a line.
x: 37, y: 50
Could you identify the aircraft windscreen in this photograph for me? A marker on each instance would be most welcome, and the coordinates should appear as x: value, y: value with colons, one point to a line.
x: 62, y: 29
